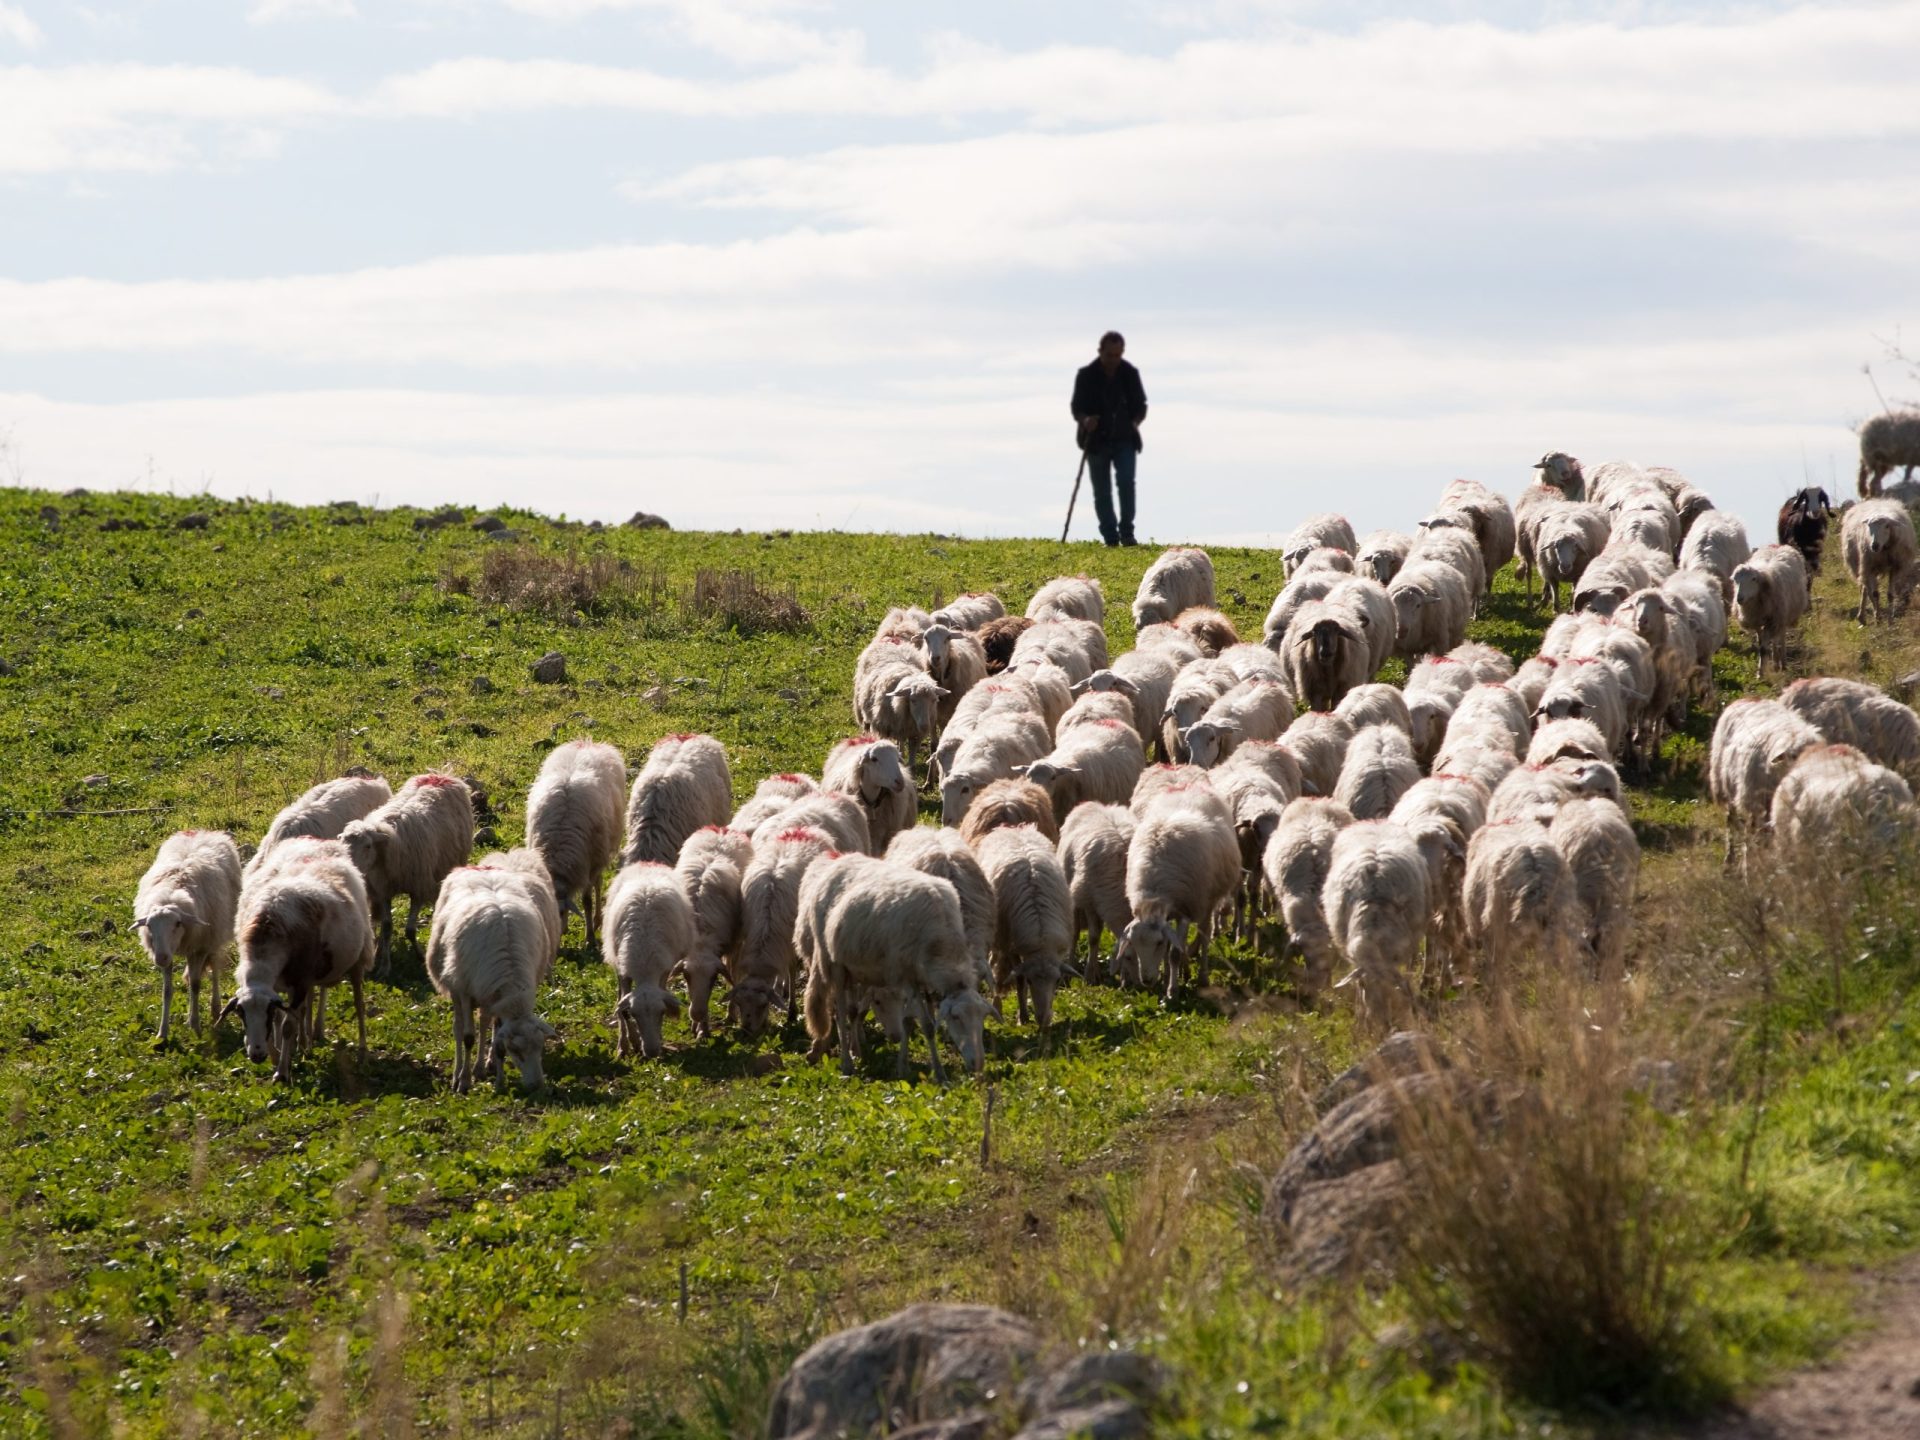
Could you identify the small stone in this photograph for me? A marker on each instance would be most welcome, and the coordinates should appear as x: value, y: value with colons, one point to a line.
x: 272, y: 692
x: 479, y: 730
x: 79, y: 492
x: 481, y: 685
x: 6, y: 667
x: 95, y: 782
x: 195, y: 613
x: 434, y: 712
x: 488, y: 524
x: 440, y: 519
x: 644, y: 520
x: 219, y: 547
x: 550, y: 668
x: 51, y: 515
x: 198, y: 520
x: 503, y: 534
x: 789, y: 695
x: 655, y: 695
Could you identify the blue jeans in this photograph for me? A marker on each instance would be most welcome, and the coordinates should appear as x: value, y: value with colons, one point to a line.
x: 1106, y: 466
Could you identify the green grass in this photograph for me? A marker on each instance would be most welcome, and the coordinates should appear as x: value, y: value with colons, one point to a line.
x: 179, y: 1238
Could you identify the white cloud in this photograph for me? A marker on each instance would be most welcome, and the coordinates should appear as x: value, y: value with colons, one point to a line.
x: 16, y: 25
x: 268, y: 12
x: 747, y: 32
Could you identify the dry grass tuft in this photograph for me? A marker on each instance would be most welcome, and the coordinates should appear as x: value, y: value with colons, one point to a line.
x: 538, y: 582
x: 738, y: 600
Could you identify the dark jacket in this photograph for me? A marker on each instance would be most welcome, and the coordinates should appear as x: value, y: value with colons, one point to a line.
x: 1118, y: 401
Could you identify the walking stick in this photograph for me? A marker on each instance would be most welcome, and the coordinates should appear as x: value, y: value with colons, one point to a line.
x: 1073, y: 497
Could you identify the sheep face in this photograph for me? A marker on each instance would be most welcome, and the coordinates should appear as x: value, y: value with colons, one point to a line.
x: 367, y: 847
x: 1427, y: 717
x: 1051, y: 776
x: 640, y: 1013
x: 1206, y: 743
x: 259, y: 1010
x: 1408, y: 603
x: 525, y: 1041
x: 914, y: 704
x: 1107, y: 680
x: 956, y: 797
x: 881, y: 773
x: 963, y: 1015
x: 1748, y: 586
x: 1148, y: 946
x: 160, y: 933
x: 1600, y: 599
x: 1647, y: 617
x: 1150, y: 612
x: 1879, y: 534
x: 936, y: 643
x: 752, y: 1005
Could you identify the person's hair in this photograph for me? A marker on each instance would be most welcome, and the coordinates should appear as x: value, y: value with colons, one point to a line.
x: 1114, y: 335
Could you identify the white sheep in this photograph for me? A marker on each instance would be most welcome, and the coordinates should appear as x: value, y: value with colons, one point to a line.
x: 871, y: 771
x: 1251, y: 662
x: 894, y: 696
x: 1432, y: 602
x: 711, y: 868
x: 1531, y: 679
x: 1567, y: 739
x: 1303, y: 589
x: 956, y: 662
x: 1251, y: 710
x: 1528, y: 511
x: 1603, y: 859
x: 488, y: 951
x: 1318, y: 741
x: 942, y: 854
x: 685, y: 784
x: 1033, y: 925
x: 1367, y: 601
x: 766, y: 969
x: 1092, y: 707
x: 1378, y: 769
x: 1717, y: 545
x: 1475, y: 759
x: 1536, y: 792
x: 1195, y: 689
x: 1294, y: 867
x: 1069, y: 597
x: 1441, y: 812
x: 841, y: 818
x: 1659, y: 621
x: 1093, y: 856
x: 1327, y: 652
x: 1003, y: 745
x: 1008, y: 691
x: 1375, y: 704
x: 304, y: 925
x: 1851, y: 712
x: 1649, y: 520
x: 770, y: 797
x: 1169, y: 641
x: 1496, y: 711
x: 1695, y: 597
x: 1877, y: 539
x: 1178, y: 580
x: 407, y: 846
x: 1325, y: 558
x: 1616, y: 573
x: 1097, y: 763
x: 1770, y: 597
x: 1448, y: 539
x: 526, y: 862
x: 649, y: 935
x: 1182, y: 867
x: 1567, y: 538
x: 1837, y: 805
x: 1079, y: 647
x: 322, y: 813
x: 1377, y: 909
x: 1586, y: 690
x: 970, y: 611
x: 1755, y: 744
x: 1317, y: 531
x: 896, y: 934
x: 184, y: 910
x: 1145, y: 677
x: 1156, y: 780
x: 1381, y: 554
x: 573, y: 820
x: 1518, y: 896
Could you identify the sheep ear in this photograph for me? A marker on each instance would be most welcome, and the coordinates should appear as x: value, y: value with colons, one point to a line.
x: 1126, y: 687
x: 672, y: 1002
x: 547, y: 1032
x: 1021, y: 770
x: 625, y: 1007
x: 1079, y: 685
x: 232, y: 1007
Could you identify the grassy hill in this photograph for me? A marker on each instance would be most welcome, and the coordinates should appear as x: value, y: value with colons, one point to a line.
x: 187, y: 1249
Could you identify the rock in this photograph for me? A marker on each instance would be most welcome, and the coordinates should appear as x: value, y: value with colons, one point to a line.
x: 272, y: 692
x: 1338, y: 1226
x: 434, y: 712
x: 95, y: 782
x: 440, y: 519
x: 550, y: 668
x: 6, y: 667
x: 503, y: 534
x: 481, y: 685
x: 1109, y: 1420
x: 50, y: 515
x: 198, y: 520
x: 642, y: 520
x: 1095, y: 1376
x: 927, y: 1362
x: 479, y: 730
x: 487, y: 524
x: 195, y: 613
x: 1405, y: 1052
x: 482, y: 802
x: 79, y: 492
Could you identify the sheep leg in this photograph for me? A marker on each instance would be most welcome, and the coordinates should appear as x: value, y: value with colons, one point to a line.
x: 383, y: 955
x: 317, y: 1018
x: 1020, y: 990
x: 360, y: 1012
x: 193, y: 995
x: 1096, y: 966
x: 462, y: 1048
x: 1203, y: 942
x: 933, y: 1040
x: 844, y: 1021
x: 413, y: 922
x: 166, y: 1005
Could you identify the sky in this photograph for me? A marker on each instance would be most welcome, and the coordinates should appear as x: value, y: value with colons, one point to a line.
x: 759, y: 263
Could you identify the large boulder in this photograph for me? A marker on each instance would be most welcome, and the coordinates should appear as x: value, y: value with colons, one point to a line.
x: 926, y: 1363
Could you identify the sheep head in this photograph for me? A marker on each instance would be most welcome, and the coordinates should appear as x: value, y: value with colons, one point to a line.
x: 641, y: 1011
x: 956, y: 796
x: 1206, y: 743
x: 963, y: 1015
x: 524, y: 1041
x: 258, y: 1009
x: 160, y: 929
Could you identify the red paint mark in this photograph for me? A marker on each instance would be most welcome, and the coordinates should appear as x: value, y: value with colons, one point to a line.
x: 853, y: 741
x: 433, y: 781
x: 800, y: 835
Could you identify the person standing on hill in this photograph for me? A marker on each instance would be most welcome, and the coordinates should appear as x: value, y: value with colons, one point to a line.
x: 1110, y: 403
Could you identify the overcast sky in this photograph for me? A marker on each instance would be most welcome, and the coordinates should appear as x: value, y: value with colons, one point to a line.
x: 775, y: 262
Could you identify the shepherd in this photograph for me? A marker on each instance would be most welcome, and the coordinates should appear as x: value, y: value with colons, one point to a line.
x: 1110, y: 403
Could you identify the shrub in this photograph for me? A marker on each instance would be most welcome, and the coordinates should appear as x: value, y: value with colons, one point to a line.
x: 521, y: 578
x: 738, y: 600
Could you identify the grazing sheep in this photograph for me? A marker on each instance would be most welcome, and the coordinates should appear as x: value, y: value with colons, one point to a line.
x: 1195, y: 689
x: 1658, y: 620
x: 1473, y: 758
x: 650, y: 933
x: 896, y: 936
x: 525, y: 861
x: 971, y: 611
x: 1382, y: 554
x: 1835, y: 804
x: 1294, y: 867
x: 304, y: 925
x: 1442, y: 675
x: 1603, y: 859
x: 1432, y: 602
x: 1211, y: 631
x: 1567, y: 539
x: 1179, y: 580
x: 1146, y: 678
x: 1536, y: 792
x: 1182, y: 867
x: 1770, y: 595
x: 1096, y: 763
x: 1318, y: 741
x: 1587, y: 690
x: 1755, y: 744
x: 770, y: 797
x: 184, y: 910
x: 1324, y: 558
x: 489, y: 949
x: 1530, y: 681
x: 1093, y: 856
x: 1377, y: 908
x: 1033, y: 917
x: 573, y: 821
x: 903, y: 622
x: 1078, y: 647
x: 1802, y: 523
x: 1010, y: 692
x: 1009, y: 802
x: 1488, y: 665
x: 1529, y: 510
x: 1557, y: 643
x: 1449, y: 544
x: 946, y: 855
x: 998, y: 637
x: 1375, y: 704
x: 1256, y: 796
x: 684, y: 785
x: 1252, y: 710
x: 1888, y: 442
x: 870, y: 770
x: 1518, y: 896
x: 1248, y: 661
x: 1267, y: 758
x: 955, y: 661
x: 1052, y: 687
x: 1371, y: 608
x: 1379, y: 769
x: 765, y: 969
x: 1695, y: 598
x: 1493, y: 521
x: 1648, y: 520
x: 1170, y: 642
x: 407, y: 846
x: 1877, y: 539
x: 1496, y: 711
x: 1563, y: 473
x: 1003, y: 745
x: 1326, y: 652
x: 894, y: 696
x: 1301, y: 590
x: 1567, y: 739
x: 841, y: 818
x: 712, y: 867
x: 1156, y: 780
x: 322, y: 813
x: 1850, y: 712
x: 1692, y: 505
x: 1716, y: 545
x: 1314, y: 533
x: 1092, y: 707
x: 1070, y: 597
x: 1616, y: 573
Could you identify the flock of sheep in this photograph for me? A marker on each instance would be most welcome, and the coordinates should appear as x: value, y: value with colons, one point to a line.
x: 1424, y: 835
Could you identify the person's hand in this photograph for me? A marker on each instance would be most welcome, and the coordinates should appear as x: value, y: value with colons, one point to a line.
x: 1087, y: 422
